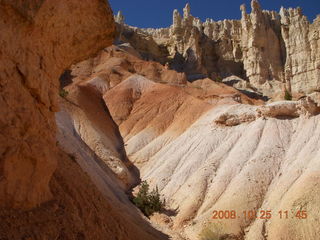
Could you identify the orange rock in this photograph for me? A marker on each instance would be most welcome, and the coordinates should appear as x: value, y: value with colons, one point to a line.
x: 39, y: 40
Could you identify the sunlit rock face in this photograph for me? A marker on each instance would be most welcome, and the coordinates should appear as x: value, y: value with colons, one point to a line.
x: 207, y: 146
x: 39, y: 39
x: 272, y: 51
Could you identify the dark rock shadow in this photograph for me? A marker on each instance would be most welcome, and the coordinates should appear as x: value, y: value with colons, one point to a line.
x: 170, y: 212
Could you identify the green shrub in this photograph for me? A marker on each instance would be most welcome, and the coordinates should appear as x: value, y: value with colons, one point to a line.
x: 208, y: 234
x: 148, y: 202
x: 63, y: 93
x: 214, y: 231
x: 211, y: 232
x: 218, y: 79
x: 287, y: 96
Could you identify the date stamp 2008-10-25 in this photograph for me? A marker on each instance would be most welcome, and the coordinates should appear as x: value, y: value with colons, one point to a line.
x: 259, y: 214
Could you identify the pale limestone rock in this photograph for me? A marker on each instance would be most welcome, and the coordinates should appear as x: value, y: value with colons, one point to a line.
x: 273, y: 51
x: 119, y: 18
x: 176, y: 19
x: 302, y: 41
x: 186, y: 11
x: 305, y: 107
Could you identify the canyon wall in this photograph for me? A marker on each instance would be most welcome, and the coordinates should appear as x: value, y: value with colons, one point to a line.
x: 52, y: 186
x: 39, y: 40
x: 272, y: 51
x: 207, y: 147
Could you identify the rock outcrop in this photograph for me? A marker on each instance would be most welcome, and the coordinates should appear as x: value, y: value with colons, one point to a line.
x: 41, y: 161
x: 96, y: 128
x: 246, y: 161
x: 208, y: 146
x: 88, y: 200
x: 273, y: 51
x: 305, y: 107
x: 116, y: 63
x: 251, y: 161
x: 302, y: 41
x: 39, y: 40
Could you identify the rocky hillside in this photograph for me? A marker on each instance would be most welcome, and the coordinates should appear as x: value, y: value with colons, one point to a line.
x: 155, y: 106
x: 52, y: 186
x: 271, y: 51
x: 209, y: 147
x: 34, y: 52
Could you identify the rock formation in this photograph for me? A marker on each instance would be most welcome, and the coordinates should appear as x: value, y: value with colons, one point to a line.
x: 302, y: 40
x: 40, y: 162
x: 273, y: 51
x: 305, y: 107
x: 201, y: 166
x: 207, y: 147
x: 39, y: 40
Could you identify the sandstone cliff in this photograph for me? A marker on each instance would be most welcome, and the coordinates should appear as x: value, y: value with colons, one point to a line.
x: 272, y: 51
x: 39, y: 40
x: 52, y: 186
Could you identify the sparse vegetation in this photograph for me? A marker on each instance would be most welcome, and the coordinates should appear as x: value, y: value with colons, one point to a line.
x: 218, y: 79
x: 63, y: 93
x: 211, y: 232
x: 208, y: 234
x: 287, y: 96
x: 148, y: 202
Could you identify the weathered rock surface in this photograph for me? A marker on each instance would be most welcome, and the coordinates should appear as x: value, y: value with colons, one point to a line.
x: 39, y: 39
x: 273, y: 51
x: 207, y: 146
x: 302, y: 41
x: 88, y: 200
x: 305, y: 107
x: 200, y: 165
x: 116, y: 63
x: 254, y: 163
x: 93, y: 124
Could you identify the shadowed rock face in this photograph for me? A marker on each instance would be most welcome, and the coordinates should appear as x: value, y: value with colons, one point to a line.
x: 39, y: 39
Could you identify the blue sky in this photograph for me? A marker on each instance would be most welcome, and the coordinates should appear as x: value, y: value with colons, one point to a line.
x: 148, y: 13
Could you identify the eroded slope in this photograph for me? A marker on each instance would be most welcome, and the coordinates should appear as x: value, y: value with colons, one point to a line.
x: 209, y: 147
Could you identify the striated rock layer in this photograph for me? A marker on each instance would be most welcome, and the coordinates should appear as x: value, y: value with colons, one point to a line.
x: 52, y: 185
x: 207, y: 146
x: 222, y: 155
x: 273, y: 51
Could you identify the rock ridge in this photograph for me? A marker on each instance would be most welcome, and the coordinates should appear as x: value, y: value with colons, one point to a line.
x: 274, y: 52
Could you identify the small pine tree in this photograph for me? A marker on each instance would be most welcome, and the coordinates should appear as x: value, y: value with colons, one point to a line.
x: 148, y: 202
x: 63, y: 93
x: 287, y: 96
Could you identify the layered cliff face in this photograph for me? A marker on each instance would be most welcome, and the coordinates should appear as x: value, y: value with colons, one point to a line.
x: 302, y: 40
x: 273, y: 51
x: 39, y: 40
x: 208, y: 147
x: 52, y: 185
